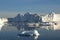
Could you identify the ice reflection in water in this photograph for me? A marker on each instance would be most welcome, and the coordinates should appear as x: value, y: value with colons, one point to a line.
x: 10, y: 33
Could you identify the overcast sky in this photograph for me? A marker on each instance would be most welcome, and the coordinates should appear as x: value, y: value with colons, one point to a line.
x: 12, y: 7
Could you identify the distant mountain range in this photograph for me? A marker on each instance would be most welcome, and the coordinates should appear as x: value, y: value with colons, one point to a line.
x: 52, y: 20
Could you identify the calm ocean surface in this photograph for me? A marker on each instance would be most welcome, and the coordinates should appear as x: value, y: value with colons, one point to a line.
x: 10, y: 33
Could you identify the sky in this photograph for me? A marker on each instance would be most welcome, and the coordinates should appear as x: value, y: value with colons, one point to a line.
x: 10, y: 8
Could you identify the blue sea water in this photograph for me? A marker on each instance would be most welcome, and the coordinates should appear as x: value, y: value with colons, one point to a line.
x: 11, y: 34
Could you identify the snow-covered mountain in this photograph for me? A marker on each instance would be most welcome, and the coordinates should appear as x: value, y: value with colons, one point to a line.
x: 33, y: 20
x: 53, y: 19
